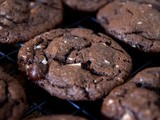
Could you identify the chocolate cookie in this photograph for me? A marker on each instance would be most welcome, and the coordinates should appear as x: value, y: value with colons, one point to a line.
x: 12, y: 98
x: 75, y: 64
x: 85, y: 5
x: 149, y: 78
x: 133, y: 23
x: 136, y: 100
x: 21, y: 20
x: 60, y: 117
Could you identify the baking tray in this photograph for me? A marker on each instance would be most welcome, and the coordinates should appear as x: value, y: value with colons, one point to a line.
x: 40, y: 102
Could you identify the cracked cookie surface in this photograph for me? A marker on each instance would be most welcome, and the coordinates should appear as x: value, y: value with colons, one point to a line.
x: 134, y: 23
x: 85, y: 5
x: 60, y: 117
x: 153, y: 3
x: 12, y: 98
x: 137, y: 99
x: 75, y: 64
x: 21, y: 20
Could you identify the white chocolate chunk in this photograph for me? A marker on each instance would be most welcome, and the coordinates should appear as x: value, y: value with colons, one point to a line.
x: 74, y: 65
x: 110, y: 102
x: 139, y: 23
x: 8, y: 17
x: 24, y: 56
x: 149, y: 5
x: 104, y: 44
x: 134, y: 46
x: 126, y: 117
x: 27, y: 67
x: 37, y: 47
x: 76, y: 37
x: 44, y: 61
x: 28, y: 48
x: 95, y: 81
x: 70, y: 58
x: 117, y: 66
x: 87, y: 89
x: 106, y: 61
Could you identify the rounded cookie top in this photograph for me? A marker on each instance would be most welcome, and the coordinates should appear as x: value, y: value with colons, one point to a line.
x: 75, y: 64
x: 85, y: 5
x: 21, y: 20
x: 60, y: 117
x: 12, y: 98
x: 136, y: 99
x: 134, y: 23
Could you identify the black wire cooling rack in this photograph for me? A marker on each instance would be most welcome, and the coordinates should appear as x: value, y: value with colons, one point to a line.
x: 41, y: 103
